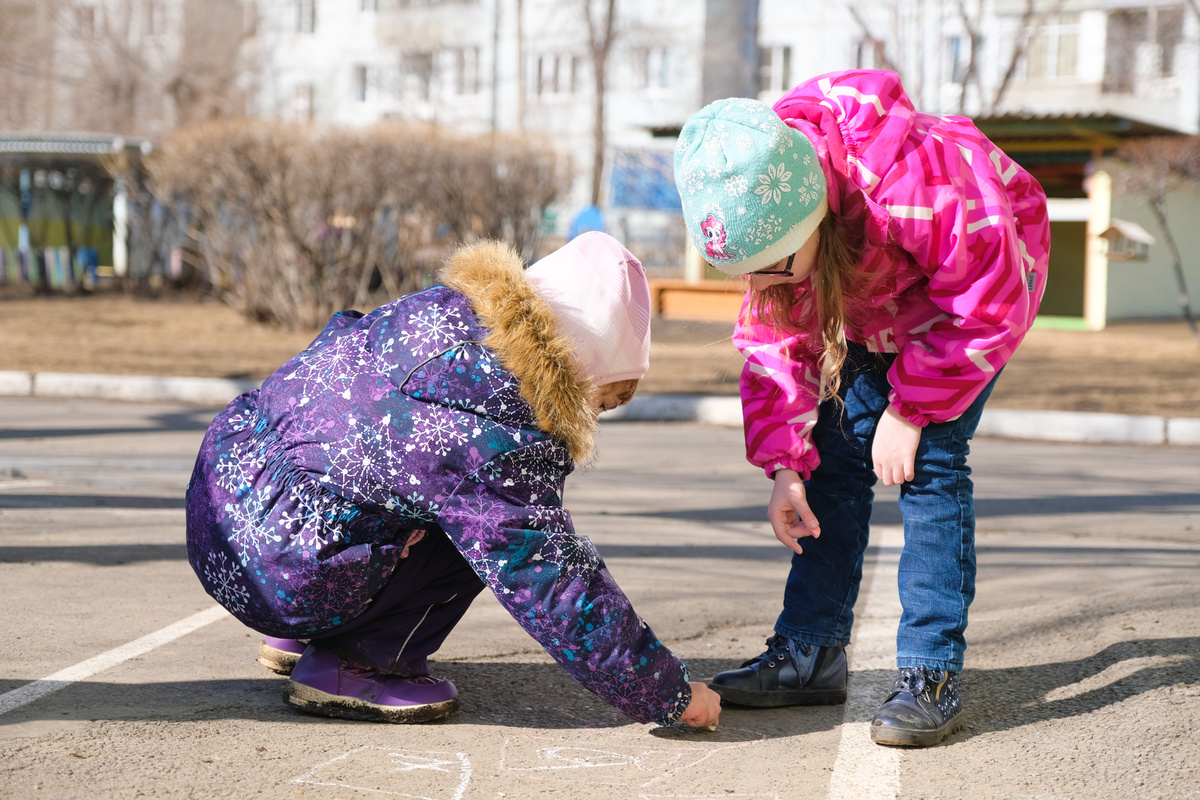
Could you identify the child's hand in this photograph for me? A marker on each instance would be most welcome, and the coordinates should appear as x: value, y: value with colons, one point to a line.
x: 894, y: 450
x: 705, y: 708
x: 788, y: 501
x: 413, y: 538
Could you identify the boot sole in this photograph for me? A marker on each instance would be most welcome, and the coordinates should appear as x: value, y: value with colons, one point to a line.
x: 314, y: 701
x: 276, y: 660
x: 891, y: 736
x: 781, y: 697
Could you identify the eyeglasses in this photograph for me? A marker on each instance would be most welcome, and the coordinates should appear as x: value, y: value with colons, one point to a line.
x: 786, y: 271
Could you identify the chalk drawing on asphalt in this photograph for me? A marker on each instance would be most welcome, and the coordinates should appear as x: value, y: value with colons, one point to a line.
x: 443, y: 775
x: 615, y: 764
x: 578, y: 757
x: 722, y: 796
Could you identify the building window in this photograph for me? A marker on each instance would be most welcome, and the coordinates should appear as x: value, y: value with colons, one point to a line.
x: 306, y: 16
x: 1053, y: 50
x: 775, y: 68
x: 1168, y: 30
x: 362, y: 83
x: 546, y: 75
x: 868, y: 53
x: 303, y: 102
x: 1126, y: 30
x: 1141, y: 43
x: 653, y: 66
x: 574, y: 66
x: 466, y: 70
x: 956, y: 59
x: 416, y: 67
x: 555, y: 74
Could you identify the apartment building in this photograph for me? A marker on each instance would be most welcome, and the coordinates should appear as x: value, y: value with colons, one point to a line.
x: 1058, y: 83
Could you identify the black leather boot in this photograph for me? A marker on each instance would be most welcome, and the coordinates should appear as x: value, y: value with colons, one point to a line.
x: 787, y: 674
x: 922, y: 708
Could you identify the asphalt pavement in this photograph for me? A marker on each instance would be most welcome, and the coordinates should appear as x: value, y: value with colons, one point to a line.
x: 121, y: 678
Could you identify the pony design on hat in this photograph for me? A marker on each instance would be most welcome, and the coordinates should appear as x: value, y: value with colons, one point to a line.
x: 713, y: 231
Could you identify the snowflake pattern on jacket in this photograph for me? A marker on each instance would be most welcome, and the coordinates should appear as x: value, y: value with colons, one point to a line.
x: 957, y: 247
x: 305, y: 490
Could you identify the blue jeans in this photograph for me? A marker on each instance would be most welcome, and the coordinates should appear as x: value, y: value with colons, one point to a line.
x: 937, y: 565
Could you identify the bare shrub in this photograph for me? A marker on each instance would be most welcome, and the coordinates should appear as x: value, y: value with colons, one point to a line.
x: 294, y: 222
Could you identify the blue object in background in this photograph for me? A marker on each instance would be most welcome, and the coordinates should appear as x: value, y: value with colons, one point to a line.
x: 89, y: 260
x: 589, y: 218
x: 645, y: 179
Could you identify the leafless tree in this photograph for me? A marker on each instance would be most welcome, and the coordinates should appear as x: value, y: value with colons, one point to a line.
x: 1027, y: 27
x: 974, y: 43
x: 522, y: 77
x: 26, y: 63
x: 112, y: 65
x: 118, y: 66
x: 600, y: 17
x: 204, y: 79
x: 1153, y: 168
x: 878, y: 46
x: 972, y: 18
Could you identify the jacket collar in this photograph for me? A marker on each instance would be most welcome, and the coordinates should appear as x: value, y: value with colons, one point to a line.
x: 523, y: 334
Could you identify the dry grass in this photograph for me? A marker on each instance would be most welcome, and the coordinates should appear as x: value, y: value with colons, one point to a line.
x: 1133, y: 368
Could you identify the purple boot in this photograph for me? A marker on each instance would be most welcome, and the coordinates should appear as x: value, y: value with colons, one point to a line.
x: 322, y: 683
x: 280, y: 655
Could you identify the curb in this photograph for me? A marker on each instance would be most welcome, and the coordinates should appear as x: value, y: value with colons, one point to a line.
x: 146, y: 388
x: 1056, y: 426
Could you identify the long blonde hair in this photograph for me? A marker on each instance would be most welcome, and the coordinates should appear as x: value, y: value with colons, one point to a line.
x: 835, y: 278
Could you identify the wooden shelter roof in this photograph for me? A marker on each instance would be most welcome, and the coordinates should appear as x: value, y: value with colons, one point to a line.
x: 1056, y: 148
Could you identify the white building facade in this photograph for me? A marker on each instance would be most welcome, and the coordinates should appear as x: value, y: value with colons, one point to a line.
x: 476, y: 66
x: 481, y: 65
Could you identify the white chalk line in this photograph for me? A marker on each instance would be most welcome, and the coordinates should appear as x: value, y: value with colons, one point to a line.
x: 863, y: 768
x: 422, y: 762
x: 26, y: 694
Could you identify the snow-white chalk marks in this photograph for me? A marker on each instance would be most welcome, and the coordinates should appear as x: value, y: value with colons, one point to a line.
x: 661, y: 769
x: 446, y: 775
x: 625, y: 765
x: 419, y: 774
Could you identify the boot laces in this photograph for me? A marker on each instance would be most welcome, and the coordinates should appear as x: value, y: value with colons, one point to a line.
x: 779, y: 649
x: 916, y: 680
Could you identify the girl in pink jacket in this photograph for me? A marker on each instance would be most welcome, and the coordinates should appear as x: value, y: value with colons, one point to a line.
x: 895, y: 260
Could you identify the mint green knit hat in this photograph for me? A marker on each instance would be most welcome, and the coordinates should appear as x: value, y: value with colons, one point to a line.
x: 752, y: 187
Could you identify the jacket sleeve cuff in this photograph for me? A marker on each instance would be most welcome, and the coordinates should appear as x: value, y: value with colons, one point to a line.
x: 787, y: 463
x: 680, y: 704
x: 908, y: 411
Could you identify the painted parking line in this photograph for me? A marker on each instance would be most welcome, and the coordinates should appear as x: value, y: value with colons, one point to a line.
x: 86, y: 669
x: 863, y: 768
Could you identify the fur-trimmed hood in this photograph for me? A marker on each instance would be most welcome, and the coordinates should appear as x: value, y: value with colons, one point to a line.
x: 525, y: 336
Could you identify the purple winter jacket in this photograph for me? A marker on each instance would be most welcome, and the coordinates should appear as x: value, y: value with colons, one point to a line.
x: 457, y: 408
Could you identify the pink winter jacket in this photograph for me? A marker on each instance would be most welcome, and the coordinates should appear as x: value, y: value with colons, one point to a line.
x: 957, y: 240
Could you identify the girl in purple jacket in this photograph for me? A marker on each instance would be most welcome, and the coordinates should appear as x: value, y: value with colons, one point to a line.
x: 895, y: 260
x: 377, y: 482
